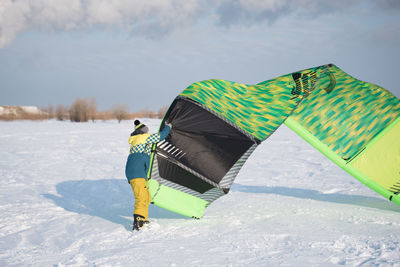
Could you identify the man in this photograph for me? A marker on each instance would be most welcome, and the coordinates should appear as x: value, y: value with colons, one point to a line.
x: 137, y: 167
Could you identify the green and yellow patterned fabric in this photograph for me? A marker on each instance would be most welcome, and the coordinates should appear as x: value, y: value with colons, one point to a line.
x: 257, y: 109
x: 341, y: 111
x: 354, y: 123
x: 350, y: 115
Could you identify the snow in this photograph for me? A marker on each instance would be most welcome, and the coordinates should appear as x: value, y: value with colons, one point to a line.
x: 6, y: 110
x: 64, y: 201
x: 31, y: 109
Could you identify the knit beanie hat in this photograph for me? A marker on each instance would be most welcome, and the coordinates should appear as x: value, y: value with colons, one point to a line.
x: 138, y: 124
x: 140, y: 128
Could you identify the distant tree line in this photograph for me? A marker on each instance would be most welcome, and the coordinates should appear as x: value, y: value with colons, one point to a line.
x: 84, y: 110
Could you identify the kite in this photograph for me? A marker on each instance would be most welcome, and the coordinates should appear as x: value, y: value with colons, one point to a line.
x: 217, y: 124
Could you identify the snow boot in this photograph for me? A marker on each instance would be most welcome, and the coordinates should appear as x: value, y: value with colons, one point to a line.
x: 138, y: 222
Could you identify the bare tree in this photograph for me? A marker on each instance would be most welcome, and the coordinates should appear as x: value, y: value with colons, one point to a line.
x: 50, y: 111
x: 147, y: 113
x: 92, y: 110
x: 120, y: 112
x: 61, y: 112
x: 78, y: 112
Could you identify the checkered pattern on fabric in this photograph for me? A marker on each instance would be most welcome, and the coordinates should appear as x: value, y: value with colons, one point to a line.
x: 145, y: 147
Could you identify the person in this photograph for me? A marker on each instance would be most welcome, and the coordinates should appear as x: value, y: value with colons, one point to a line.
x: 137, y: 167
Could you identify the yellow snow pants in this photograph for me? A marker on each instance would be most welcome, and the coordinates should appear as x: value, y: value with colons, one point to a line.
x: 142, y: 197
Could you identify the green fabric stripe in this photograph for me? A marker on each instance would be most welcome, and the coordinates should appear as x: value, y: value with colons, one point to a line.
x: 312, y: 140
x: 380, y: 160
x: 176, y: 201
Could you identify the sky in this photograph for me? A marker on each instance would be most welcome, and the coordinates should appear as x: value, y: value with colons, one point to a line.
x: 144, y: 53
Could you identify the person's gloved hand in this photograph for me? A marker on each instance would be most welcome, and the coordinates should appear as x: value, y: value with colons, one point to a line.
x: 169, y: 125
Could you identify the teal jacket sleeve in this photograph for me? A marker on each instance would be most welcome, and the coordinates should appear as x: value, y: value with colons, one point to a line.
x: 164, y: 132
x: 157, y: 137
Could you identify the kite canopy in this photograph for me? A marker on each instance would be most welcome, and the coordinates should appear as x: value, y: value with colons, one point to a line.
x: 217, y: 124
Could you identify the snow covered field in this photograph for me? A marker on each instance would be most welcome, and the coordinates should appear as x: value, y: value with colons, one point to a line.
x: 64, y: 201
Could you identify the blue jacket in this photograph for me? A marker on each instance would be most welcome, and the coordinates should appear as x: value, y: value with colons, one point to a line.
x: 138, y: 161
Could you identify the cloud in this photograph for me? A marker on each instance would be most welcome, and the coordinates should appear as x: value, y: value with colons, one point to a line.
x: 17, y: 16
x: 248, y: 12
x: 47, y: 15
x: 156, y: 17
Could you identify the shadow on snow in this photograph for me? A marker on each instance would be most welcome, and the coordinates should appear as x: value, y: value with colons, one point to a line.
x: 110, y: 199
x: 364, y: 201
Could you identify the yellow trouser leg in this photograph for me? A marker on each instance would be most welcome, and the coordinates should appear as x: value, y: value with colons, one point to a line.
x: 142, y: 197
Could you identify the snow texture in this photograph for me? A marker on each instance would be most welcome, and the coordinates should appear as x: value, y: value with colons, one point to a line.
x: 5, y: 110
x: 31, y: 109
x: 64, y: 201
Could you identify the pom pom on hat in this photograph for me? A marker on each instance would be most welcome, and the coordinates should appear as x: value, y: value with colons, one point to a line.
x: 139, y: 125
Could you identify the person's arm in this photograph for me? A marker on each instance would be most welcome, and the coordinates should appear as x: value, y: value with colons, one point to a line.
x: 157, y: 137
